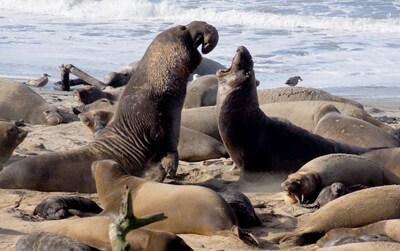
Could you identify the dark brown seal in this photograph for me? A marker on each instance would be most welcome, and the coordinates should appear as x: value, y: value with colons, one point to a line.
x: 143, y: 135
x: 60, y: 207
x: 10, y: 137
x: 256, y: 142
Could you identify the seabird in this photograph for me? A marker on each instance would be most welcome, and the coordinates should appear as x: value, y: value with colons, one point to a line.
x: 293, y: 80
x: 39, y: 82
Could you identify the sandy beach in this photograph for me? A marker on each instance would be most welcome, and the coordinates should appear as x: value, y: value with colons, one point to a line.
x: 16, y: 206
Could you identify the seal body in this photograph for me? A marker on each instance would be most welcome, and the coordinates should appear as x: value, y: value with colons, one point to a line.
x: 19, y: 101
x: 331, y: 124
x: 389, y: 158
x: 348, y: 169
x: 89, y: 94
x: 373, y: 205
x: 143, y: 134
x: 206, y: 213
x: 256, y: 142
x: 327, y: 194
x: 202, y: 91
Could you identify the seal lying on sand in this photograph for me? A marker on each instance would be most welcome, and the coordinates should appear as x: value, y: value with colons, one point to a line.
x: 10, y: 137
x: 19, y: 101
x: 364, y: 246
x: 39, y: 241
x: 389, y: 158
x: 256, y: 142
x: 207, y: 213
x: 202, y: 91
x: 93, y: 231
x: 60, y: 207
x: 143, y: 135
x: 372, y: 205
x: 327, y: 194
x: 283, y: 94
x: 331, y: 124
x: 389, y: 228
x: 308, y: 181
x: 89, y: 94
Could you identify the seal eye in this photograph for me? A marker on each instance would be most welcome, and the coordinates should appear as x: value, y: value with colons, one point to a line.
x: 248, y: 74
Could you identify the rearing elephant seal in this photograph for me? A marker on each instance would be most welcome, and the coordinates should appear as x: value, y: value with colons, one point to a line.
x: 143, y: 135
x: 256, y: 142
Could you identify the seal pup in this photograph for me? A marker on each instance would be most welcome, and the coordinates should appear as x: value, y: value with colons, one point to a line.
x: 143, y: 135
x: 18, y: 101
x: 40, y: 81
x: 389, y: 228
x: 349, y: 169
x: 293, y: 81
x: 331, y: 124
x: 207, y: 213
x: 327, y: 194
x: 60, y: 207
x: 39, y: 241
x: 372, y: 205
x: 10, y: 137
x: 254, y: 141
x: 93, y: 231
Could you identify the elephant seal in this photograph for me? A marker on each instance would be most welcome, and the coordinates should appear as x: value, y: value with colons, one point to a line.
x: 282, y: 94
x: 201, y: 119
x: 389, y: 228
x: 207, y: 66
x: 10, y: 137
x: 327, y: 194
x: 93, y: 231
x: 308, y: 181
x: 192, y: 146
x: 143, y: 135
x: 121, y: 76
x: 373, y: 205
x: 202, y: 91
x: 207, y: 213
x: 364, y: 246
x: 301, y: 113
x: 254, y: 141
x: 331, y: 124
x: 60, y: 207
x: 39, y: 241
x: 89, y: 94
x: 19, y: 101
x: 101, y: 104
x: 389, y: 158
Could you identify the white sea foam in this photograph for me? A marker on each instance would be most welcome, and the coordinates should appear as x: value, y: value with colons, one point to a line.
x: 174, y: 11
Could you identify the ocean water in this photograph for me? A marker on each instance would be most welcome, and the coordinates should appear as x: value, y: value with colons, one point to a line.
x: 350, y: 46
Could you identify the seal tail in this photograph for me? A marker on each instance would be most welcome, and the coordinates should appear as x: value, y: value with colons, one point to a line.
x: 245, y: 236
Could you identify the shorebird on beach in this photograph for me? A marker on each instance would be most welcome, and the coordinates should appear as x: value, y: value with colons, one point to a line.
x: 293, y: 81
x: 39, y: 82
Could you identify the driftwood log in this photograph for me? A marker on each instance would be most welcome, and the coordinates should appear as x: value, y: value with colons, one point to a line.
x: 65, y: 84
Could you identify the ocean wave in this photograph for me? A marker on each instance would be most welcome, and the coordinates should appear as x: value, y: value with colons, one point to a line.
x: 173, y: 11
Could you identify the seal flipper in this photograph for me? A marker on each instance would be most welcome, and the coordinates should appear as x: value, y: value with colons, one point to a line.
x: 245, y: 236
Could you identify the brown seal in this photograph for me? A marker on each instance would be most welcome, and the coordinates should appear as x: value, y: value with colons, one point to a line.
x: 202, y: 91
x: 206, y: 213
x: 89, y: 94
x: 389, y: 158
x: 356, y: 209
x: 10, y: 137
x: 19, y: 101
x: 93, y: 231
x: 310, y: 179
x: 145, y: 129
x: 389, y: 228
x: 301, y: 113
x: 256, y: 142
x: 364, y: 246
x: 331, y: 124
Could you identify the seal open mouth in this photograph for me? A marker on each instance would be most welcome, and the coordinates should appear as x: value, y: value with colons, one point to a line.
x: 293, y: 190
x: 242, y: 61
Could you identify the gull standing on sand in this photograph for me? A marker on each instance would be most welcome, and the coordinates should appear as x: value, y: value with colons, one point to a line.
x: 293, y: 80
x: 39, y: 82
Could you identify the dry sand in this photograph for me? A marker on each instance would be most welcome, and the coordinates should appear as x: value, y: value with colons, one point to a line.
x: 16, y: 206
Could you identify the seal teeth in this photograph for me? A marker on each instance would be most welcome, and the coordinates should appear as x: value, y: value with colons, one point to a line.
x: 297, y: 198
x: 302, y: 198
